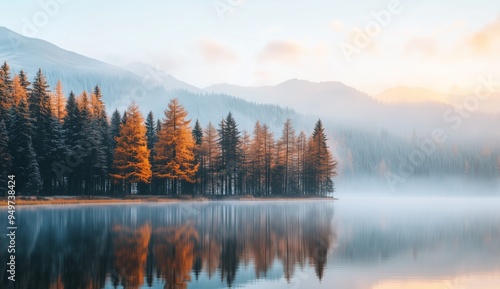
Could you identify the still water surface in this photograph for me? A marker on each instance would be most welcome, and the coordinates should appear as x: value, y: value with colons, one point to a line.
x: 355, y: 242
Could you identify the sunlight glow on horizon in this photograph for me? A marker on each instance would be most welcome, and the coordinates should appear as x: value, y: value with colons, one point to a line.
x: 268, y: 42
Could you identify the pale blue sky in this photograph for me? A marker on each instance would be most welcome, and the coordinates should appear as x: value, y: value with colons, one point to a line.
x: 429, y: 43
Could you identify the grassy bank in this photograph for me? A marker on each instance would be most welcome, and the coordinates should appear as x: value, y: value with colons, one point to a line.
x: 70, y: 200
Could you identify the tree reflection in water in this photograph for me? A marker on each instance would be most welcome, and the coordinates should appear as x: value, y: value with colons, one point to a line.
x: 133, y: 247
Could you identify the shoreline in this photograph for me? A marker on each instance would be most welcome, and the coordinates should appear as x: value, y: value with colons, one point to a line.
x: 103, y: 200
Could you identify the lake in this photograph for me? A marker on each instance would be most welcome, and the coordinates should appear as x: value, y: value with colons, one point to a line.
x: 355, y: 242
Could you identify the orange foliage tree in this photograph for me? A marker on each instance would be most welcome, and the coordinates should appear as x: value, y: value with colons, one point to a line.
x: 175, y: 159
x: 131, y: 156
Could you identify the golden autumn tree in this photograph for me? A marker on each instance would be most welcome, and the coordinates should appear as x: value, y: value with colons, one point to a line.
x: 18, y: 91
x: 58, y: 102
x: 175, y: 159
x: 131, y: 156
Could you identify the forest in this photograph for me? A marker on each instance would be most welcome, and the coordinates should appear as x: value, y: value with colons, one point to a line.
x: 55, y: 145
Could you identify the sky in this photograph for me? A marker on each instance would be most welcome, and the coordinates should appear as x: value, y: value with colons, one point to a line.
x: 371, y: 45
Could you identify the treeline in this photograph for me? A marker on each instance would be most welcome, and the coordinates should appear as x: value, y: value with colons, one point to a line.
x: 378, y: 154
x: 58, y: 145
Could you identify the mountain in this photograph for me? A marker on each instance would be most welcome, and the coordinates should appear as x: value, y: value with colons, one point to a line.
x: 78, y: 72
x: 323, y: 98
x: 367, y: 136
x: 150, y: 87
x: 401, y: 110
x: 156, y: 77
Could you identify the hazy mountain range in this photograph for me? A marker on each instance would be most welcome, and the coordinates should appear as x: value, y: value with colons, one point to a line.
x: 398, y: 109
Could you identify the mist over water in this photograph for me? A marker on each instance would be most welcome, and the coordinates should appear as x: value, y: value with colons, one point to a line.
x: 359, y: 241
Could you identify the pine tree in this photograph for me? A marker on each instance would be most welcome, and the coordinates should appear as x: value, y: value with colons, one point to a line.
x: 152, y: 137
x: 114, y: 132
x: 151, y: 132
x: 321, y: 166
x: 230, y: 144
x: 97, y: 129
x: 5, y: 157
x: 131, y: 156
x: 174, y: 159
x: 6, y: 99
x: 48, y: 134
x: 23, y: 79
x: 158, y: 128
x: 25, y: 166
x: 76, y: 142
x: 116, y: 120
x: 124, y: 117
x: 198, y: 139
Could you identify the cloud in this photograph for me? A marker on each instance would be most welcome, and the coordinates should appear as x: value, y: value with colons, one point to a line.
x: 424, y: 46
x: 214, y: 52
x: 487, y: 39
x: 287, y: 52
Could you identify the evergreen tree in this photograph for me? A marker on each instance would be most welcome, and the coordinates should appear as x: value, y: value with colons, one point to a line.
x: 97, y: 136
x: 25, y: 165
x: 124, y: 117
x: 198, y: 139
x: 152, y: 137
x: 131, y: 156
x: 230, y: 144
x: 6, y: 163
x: 115, y: 128
x: 151, y: 132
x: 320, y: 165
x: 114, y: 132
x: 23, y: 79
x: 158, y: 128
x: 48, y: 134
x: 75, y: 141
x: 174, y: 159
x: 5, y: 92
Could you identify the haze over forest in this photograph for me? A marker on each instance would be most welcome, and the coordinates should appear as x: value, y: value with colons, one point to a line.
x: 391, y: 134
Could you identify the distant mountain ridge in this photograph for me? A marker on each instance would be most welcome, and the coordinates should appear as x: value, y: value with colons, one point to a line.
x: 302, y: 95
x: 150, y: 87
x: 336, y: 103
